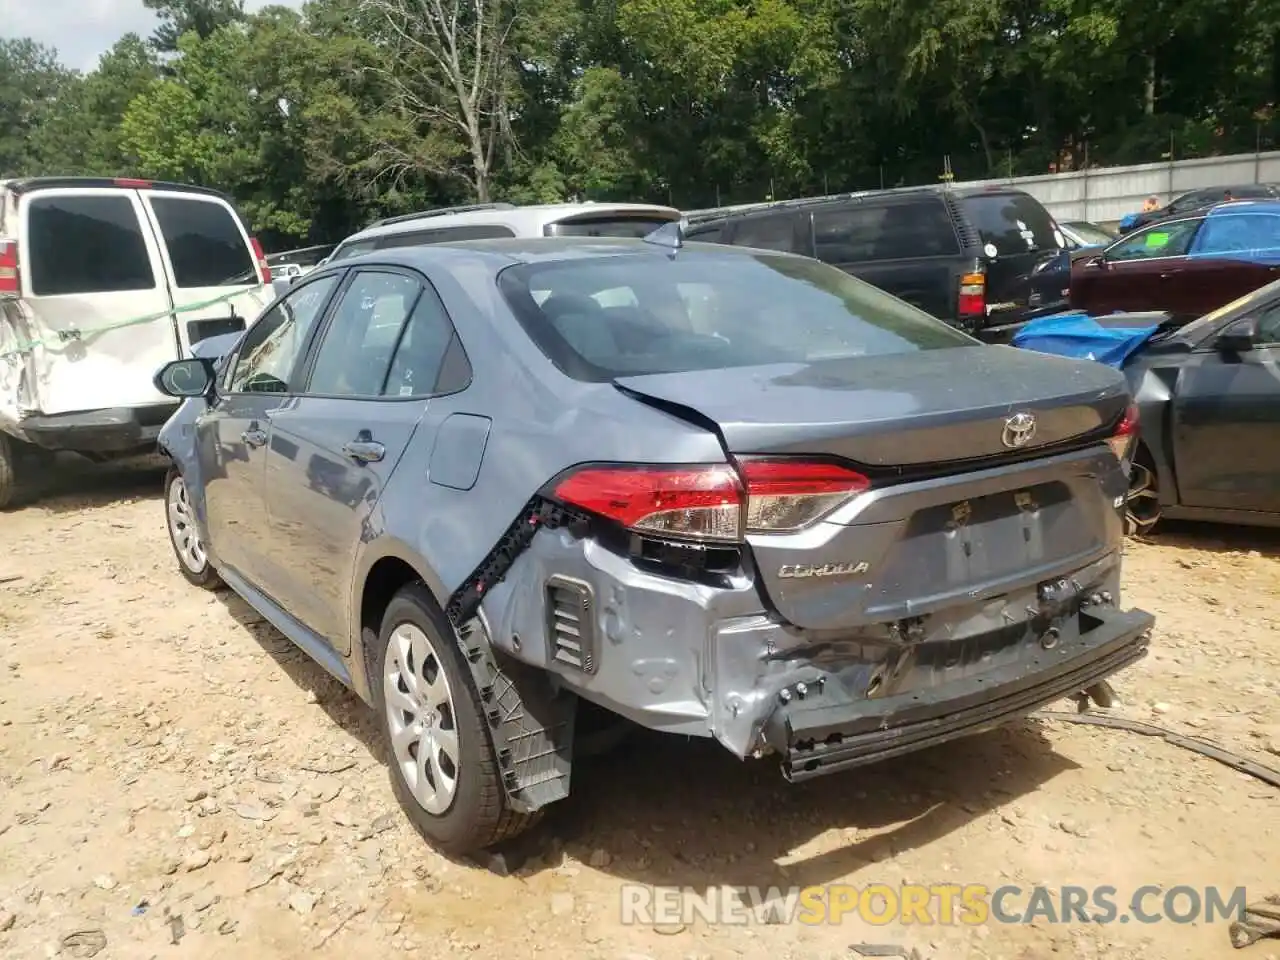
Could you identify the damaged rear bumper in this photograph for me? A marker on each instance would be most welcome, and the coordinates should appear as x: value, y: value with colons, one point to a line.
x: 816, y: 739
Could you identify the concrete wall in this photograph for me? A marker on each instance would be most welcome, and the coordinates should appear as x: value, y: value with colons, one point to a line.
x: 1108, y: 193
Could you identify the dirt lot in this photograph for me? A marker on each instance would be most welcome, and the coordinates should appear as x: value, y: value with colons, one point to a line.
x: 171, y: 769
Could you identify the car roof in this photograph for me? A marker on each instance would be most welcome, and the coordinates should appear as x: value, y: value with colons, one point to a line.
x: 1251, y: 206
x: 507, y: 251
x: 27, y: 184
x: 528, y: 219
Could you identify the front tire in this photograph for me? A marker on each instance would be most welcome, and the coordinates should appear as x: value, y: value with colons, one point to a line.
x: 184, y: 534
x: 443, y: 767
x: 1142, y: 509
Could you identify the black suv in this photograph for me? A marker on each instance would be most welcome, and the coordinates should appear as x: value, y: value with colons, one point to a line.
x: 983, y: 259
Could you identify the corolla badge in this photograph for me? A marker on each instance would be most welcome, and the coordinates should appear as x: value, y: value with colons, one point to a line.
x: 801, y: 570
x: 1018, y: 430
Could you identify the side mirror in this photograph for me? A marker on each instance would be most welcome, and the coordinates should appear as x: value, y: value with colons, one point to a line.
x: 186, y: 378
x: 280, y: 285
x: 1239, y: 336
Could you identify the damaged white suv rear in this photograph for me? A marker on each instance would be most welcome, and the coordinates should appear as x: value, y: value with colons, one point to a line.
x: 719, y: 492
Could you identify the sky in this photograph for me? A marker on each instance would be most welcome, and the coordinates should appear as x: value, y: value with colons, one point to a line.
x: 82, y: 30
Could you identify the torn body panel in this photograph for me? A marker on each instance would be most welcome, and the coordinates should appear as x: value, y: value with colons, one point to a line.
x: 711, y: 660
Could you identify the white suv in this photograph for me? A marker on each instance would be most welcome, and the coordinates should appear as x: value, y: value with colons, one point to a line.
x: 102, y: 282
x: 488, y: 221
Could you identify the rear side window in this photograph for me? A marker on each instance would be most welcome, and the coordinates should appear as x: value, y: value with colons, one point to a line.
x: 1012, y: 223
x: 622, y: 316
x: 206, y: 245
x: 418, y: 238
x: 767, y: 233
x: 894, y: 230
x: 358, y: 344
x: 709, y: 234
x: 633, y: 227
x: 86, y: 244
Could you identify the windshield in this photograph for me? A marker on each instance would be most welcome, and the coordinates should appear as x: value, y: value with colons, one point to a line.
x: 1089, y: 234
x: 617, y: 316
x: 1011, y: 223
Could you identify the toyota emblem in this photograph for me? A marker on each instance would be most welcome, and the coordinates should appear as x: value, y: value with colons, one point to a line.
x: 1018, y: 430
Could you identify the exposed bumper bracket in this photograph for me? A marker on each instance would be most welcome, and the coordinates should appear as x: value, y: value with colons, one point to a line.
x: 821, y: 740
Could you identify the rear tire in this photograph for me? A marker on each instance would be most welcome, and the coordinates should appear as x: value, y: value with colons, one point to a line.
x: 443, y: 767
x: 22, y: 472
x: 184, y: 534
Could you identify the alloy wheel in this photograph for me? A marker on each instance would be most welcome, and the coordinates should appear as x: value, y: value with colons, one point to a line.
x: 182, y: 528
x: 1142, y: 503
x: 421, y: 718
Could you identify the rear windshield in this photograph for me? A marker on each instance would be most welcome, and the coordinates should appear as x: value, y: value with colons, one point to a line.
x: 1011, y: 222
x: 634, y: 227
x: 206, y: 245
x: 608, y: 317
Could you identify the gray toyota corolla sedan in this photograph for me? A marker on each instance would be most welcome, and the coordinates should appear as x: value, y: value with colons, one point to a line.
x: 498, y: 486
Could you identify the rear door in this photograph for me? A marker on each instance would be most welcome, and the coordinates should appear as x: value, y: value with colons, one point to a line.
x: 1141, y: 272
x: 95, y: 285
x: 1028, y: 269
x: 1232, y: 254
x: 216, y: 279
x: 333, y: 448
x: 906, y: 246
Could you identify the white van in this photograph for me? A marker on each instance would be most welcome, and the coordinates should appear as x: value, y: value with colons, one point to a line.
x: 102, y: 281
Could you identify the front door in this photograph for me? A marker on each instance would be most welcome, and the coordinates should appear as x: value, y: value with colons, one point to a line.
x: 334, y: 447
x: 232, y: 434
x: 1141, y: 272
x: 1227, y: 425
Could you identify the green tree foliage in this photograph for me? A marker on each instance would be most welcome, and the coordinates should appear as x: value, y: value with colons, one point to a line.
x: 318, y: 120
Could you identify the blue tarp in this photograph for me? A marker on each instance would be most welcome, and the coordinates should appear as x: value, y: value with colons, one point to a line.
x: 1079, y: 336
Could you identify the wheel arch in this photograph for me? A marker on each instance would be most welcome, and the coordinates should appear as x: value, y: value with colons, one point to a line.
x: 381, y: 577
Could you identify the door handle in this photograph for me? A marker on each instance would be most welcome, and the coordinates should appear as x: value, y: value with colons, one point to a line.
x: 364, y: 451
x: 254, y: 437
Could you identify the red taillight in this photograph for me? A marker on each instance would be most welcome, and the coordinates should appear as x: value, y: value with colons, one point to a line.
x: 132, y: 183
x: 785, y: 495
x: 1126, y: 432
x: 707, y: 502
x: 698, y: 501
x: 9, y: 280
x: 973, y: 295
x: 264, y: 269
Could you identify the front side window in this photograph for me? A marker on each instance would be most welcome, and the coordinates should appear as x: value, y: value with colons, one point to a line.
x: 269, y: 351
x: 206, y: 246
x: 358, y: 345
x: 1269, y: 325
x: 1160, y: 240
x: 352, y: 250
x: 86, y: 244
x: 629, y: 315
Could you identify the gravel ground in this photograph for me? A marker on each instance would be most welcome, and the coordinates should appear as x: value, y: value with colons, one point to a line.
x: 176, y: 780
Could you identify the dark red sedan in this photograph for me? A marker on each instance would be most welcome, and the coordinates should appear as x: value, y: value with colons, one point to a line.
x: 1186, y: 266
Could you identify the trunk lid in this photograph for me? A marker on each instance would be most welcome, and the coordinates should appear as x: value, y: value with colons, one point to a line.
x: 901, y: 410
x: 954, y: 517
